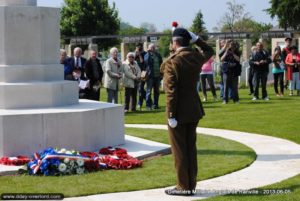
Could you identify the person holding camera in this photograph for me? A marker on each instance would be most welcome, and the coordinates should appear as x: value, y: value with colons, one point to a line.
x: 231, y: 70
x: 260, y: 61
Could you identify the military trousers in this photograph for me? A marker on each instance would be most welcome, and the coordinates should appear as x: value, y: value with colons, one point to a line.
x: 184, y: 150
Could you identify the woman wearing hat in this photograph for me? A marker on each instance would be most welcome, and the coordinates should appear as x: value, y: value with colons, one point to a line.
x: 293, y: 68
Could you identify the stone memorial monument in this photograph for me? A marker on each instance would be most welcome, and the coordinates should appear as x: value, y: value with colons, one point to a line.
x: 38, y: 108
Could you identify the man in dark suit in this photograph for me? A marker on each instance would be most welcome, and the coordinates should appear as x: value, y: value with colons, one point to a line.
x: 94, y: 74
x: 184, y: 108
x: 77, y: 63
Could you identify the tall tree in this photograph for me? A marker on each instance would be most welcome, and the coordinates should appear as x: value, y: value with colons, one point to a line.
x: 287, y: 12
x: 198, y: 24
x: 164, y: 43
x: 235, y: 12
x: 89, y: 17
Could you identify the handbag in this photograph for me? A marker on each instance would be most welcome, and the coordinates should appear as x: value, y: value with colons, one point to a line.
x: 282, y: 65
x: 144, y: 75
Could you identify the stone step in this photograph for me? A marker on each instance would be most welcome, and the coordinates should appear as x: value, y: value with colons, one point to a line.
x: 28, y: 73
x: 38, y: 94
x: 86, y: 126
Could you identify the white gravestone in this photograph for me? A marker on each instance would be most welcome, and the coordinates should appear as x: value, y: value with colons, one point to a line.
x: 38, y: 109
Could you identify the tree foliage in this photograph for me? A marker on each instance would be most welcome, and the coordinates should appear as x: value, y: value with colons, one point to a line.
x: 164, y: 43
x: 125, y: 25
x: 128, y: 29
x: 287, y: 12
x: 235, y: 13
x: 198, y: 25
x: 89, y: 17
x: 148, y: 27
x: 247, y: 25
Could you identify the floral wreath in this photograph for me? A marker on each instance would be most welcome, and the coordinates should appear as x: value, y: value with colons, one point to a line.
x: 53, y: 162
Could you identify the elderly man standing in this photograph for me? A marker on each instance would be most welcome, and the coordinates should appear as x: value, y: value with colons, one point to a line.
x: 113, y: 72
x: 76, y: 71
x: 184, y: 108
x: 77, y: 63
x: 260, y: 61
x: 153, y: 61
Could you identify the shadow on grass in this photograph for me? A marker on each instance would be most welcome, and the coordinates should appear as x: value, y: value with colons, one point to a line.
x: 154, y: 111
x: 211, y: 106
x: 259, y: 102
x: 222, y: 152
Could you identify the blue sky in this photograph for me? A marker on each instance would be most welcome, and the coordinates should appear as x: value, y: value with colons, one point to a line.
x: 163, y: 12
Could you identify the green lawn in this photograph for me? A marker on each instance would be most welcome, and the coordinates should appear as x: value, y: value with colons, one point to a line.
x: 216, y: 156
x: 278, y: 117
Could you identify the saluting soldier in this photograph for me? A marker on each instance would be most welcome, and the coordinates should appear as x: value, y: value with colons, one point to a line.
x: 184, y: 108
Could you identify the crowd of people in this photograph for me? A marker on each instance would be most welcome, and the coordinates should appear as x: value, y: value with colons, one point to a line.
x: 141, y: 76
x: 286, y: 66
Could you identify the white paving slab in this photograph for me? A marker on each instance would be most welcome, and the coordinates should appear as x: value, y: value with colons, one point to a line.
x: 6, y: 170
x: 141, y: 148
x: 277, y: 160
